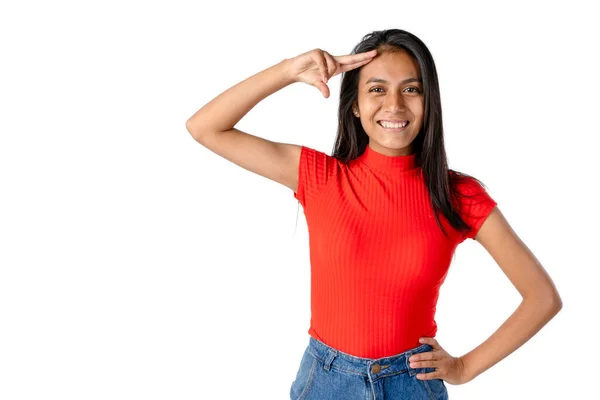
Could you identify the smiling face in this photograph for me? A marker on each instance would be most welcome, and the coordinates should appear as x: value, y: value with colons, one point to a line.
x: 387, y: 92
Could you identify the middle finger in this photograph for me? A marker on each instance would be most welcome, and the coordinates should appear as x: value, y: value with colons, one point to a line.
x: 354, y: 58
x: 348, y: 67
x: 332, y: 66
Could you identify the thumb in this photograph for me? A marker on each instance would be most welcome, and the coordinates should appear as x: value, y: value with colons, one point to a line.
x: 323, y: 88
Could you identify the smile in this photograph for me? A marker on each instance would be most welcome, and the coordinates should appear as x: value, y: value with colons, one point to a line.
x: 393, y: 127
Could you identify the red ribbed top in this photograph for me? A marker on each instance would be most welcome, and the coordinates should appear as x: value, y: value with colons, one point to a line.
x: 378, y: 257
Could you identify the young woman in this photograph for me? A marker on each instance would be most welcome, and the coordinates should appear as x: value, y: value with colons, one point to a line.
x: 385, y: 215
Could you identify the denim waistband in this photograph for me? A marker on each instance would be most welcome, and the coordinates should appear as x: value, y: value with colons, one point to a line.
x: 368, y: 367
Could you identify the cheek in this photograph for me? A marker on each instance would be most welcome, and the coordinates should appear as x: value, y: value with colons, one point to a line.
x: 418, y: 113
x: 370, y: 107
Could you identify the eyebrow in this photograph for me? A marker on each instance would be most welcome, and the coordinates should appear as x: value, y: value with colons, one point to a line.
x: 381, y: 80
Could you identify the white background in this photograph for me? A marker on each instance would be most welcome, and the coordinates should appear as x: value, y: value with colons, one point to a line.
x: 137, y: 264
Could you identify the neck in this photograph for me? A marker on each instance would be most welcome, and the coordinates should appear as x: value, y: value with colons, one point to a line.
x: 388, y: 163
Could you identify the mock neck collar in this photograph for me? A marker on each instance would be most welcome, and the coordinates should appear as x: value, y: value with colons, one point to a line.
x: 385, y: 163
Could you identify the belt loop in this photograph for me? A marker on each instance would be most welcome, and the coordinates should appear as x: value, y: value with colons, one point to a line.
x: 411, y: 370
x: 331, y: 354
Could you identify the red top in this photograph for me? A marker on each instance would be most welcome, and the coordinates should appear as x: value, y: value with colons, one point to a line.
x: 377, y: 254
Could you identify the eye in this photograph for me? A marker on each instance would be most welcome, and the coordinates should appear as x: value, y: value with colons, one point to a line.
x: 416, y: 89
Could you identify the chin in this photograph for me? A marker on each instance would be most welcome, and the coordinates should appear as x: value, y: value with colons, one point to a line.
x: 393, y: 144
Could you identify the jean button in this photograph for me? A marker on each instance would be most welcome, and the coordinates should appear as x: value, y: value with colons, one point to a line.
x: 375, y: 368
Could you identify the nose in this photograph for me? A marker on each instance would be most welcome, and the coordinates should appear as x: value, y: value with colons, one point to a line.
x: 394, y: 102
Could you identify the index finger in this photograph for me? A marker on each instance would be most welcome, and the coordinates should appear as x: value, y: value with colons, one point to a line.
x: 354, y: 58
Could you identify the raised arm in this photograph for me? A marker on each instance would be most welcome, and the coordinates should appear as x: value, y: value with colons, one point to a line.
x: 213, y: 125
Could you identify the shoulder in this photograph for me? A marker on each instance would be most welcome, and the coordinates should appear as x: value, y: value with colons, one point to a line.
x: 318, y: 161
x: 465, y: 185
x: 315, y: 170
x: 472, y: 201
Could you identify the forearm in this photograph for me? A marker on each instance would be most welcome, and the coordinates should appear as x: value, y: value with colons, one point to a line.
x: 226, y: 110
x: 531, y: 315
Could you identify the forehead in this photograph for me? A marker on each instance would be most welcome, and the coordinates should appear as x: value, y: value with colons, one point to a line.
x: 390, y: 66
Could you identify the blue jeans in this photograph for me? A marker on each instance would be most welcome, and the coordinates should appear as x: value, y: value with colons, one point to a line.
x: 326, y: 373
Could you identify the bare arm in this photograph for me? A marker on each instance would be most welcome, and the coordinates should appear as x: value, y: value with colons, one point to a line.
x: 226, y: 110
x: 541, y: 301
x: 213, y: 125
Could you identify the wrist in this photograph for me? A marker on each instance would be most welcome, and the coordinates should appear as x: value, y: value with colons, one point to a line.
x: 466, y: 374
x: 285, y: 67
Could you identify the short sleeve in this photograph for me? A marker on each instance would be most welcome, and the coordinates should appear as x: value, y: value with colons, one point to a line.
x: 314, y: 171
x: 475, y: 204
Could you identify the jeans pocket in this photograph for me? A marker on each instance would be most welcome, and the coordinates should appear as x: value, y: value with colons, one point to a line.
x: 304, y: 376
x: 436, y: 387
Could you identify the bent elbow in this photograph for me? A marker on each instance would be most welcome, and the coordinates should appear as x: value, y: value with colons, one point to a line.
x: 189, y: 127
x: 557, y: 302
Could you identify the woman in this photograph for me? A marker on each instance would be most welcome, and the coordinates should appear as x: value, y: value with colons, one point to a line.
x: 385, y: 215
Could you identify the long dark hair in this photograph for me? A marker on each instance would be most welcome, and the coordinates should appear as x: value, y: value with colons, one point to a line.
x: 351, y: 140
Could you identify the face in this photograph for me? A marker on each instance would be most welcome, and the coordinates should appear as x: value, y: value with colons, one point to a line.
x: 392, y: 100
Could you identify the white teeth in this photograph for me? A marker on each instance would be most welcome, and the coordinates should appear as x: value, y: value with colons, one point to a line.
x: 393, y: 126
